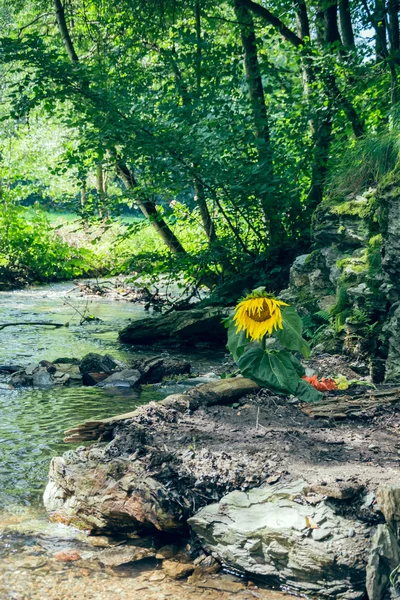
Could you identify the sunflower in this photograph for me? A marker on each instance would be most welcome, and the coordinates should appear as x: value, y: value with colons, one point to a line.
x: 257, y: 314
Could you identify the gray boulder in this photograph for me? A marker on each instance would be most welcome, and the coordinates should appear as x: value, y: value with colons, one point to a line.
x: 96, y: 363
x: 272, y: 532
x: 125, y: 378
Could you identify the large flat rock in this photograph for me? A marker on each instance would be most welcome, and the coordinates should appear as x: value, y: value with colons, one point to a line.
x: 188, y: 327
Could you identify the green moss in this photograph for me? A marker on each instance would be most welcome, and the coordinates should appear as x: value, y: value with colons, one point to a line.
x: 354, y: 208
x: 312, y: 258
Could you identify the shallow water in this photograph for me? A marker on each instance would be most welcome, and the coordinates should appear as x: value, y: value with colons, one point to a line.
x: 32, y: 421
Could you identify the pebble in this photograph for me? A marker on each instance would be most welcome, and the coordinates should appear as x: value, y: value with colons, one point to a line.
x: 320, y: 534
x: 351, y: 533
x: 373, y: 447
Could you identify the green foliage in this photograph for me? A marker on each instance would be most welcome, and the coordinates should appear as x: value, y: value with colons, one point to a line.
x: 365, y: 163
x: 31, y: 251
x: 290, y: 336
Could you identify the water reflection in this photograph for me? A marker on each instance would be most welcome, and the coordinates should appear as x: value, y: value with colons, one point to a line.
x: 32, y: 421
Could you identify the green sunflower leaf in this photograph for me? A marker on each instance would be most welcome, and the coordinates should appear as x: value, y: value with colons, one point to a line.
x: 271, y: 369
x: 291, y: 334
x: 237, y: 342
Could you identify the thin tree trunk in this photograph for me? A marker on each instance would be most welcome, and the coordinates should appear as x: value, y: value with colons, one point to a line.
x: 381, y: 45
x: 321, y: 126
x: 101, y: 190
x: 83, y: 194
x: 199, y: 192
x: 381, y: 49
x: 346, y: 25
x: 260, y: 120
x: 147, y: 207
x: 331, y: 85
x: 149, y: 210
x: 62, y: 25
x: 200, y: 199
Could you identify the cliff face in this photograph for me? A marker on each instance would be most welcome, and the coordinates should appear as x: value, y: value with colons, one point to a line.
x: 348, y: 288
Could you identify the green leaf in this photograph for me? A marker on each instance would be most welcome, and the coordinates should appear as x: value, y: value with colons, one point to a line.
x: 237, y: 342
x: 307, y: 393
x: 271, y: 369
x: 291, y: 334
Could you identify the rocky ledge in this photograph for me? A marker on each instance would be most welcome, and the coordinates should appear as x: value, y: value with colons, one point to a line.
x: 308, y: 499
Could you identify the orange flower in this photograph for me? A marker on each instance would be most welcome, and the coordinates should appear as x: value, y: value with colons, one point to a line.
x: 324, y: 385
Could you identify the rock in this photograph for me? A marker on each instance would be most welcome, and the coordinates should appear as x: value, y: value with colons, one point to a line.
x: 384, y: 558
x: 320, y: 534
x: 222, y: 584
x: 67, y: 555
x: 177, y: 570
x: 125, y: 378
x: 167, y: 552
x: 189, y: 327
x: 388, y: 500
x: 10, y: 368
x: 155, y: 368
x: 114, y: 557
x: 66, y: 361
x: 91, y: 379
x: 265, y: 532
x: 42, y: 378
x: 96, y: 363
x: 339, y: 491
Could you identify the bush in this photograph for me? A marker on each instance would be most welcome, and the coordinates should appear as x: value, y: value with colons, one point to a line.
x: 32, y: 252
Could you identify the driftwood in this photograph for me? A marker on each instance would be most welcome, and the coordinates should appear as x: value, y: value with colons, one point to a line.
x: 347, y: 407
x: 225, y: 391
x: 41, y: 323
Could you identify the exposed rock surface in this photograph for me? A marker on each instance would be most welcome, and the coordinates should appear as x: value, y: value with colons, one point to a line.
x: 188, y: 327
x: 277, y: 532
x: 166, y: 463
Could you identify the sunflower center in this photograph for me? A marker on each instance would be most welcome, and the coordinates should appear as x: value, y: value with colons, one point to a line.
x: 259, y: 316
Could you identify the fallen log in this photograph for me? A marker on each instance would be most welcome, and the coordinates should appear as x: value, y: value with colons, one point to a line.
x: 40, y: 323
x: 350, y: 407
x: 225, y: 391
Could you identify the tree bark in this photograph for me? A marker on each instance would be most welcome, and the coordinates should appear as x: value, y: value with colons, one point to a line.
x: 62, y: 25
x: 260, y: 120
x: 331, y: 30
x: 149, y: 210
x: 393, y: 28
x: 346, y: 25
x: 101, y: 189
x: 381, y: 49
x: 201, y: 201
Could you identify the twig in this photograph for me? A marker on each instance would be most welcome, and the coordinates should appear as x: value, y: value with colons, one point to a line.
x: 42, y: 323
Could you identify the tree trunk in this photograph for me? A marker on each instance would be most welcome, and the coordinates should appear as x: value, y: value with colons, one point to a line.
x: 62, y: 25
x: 321, y: 127
x: 260, y: 120
x: 101, y: 189
x: 200, y: 199
x: 381, y: 49
x: 393, y: 28
x: 149, y: 210
x: 346, y: 25
x: 83, y: 194
x: 331, y: 32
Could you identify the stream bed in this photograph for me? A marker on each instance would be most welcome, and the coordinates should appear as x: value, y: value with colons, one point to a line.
x: 32, y: 422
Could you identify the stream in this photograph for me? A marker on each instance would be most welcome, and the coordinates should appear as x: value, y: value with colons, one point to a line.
x: 32, y: 422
